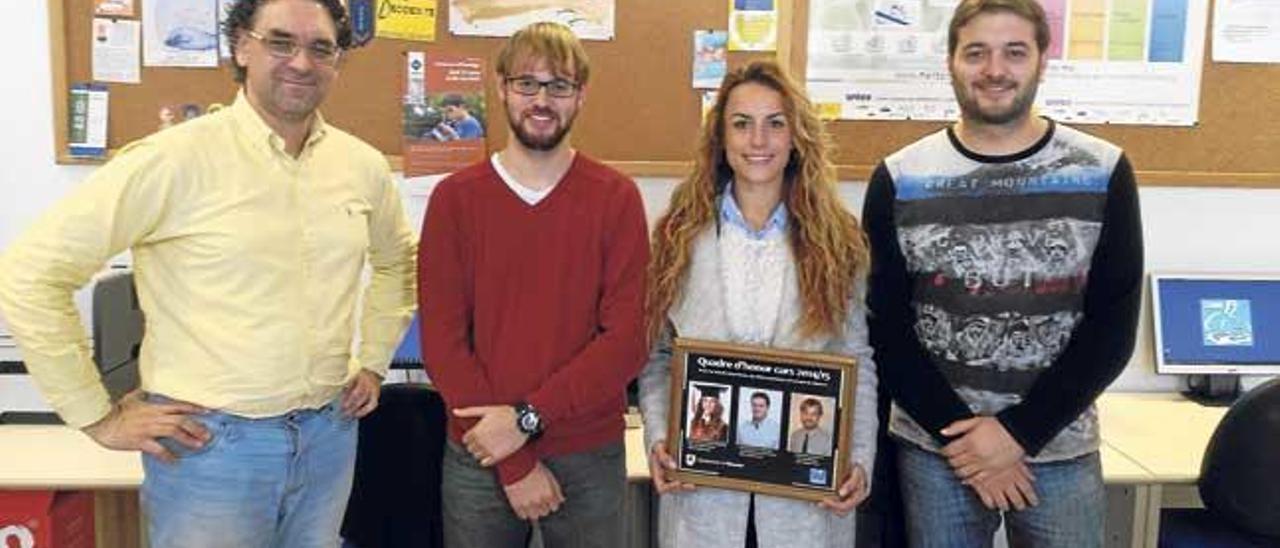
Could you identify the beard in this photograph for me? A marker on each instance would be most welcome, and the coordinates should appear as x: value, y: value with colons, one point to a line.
x: 1018, y: 108
x: 540, y: 143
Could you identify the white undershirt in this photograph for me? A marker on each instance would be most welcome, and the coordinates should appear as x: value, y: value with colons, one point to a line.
x: 529, y: 195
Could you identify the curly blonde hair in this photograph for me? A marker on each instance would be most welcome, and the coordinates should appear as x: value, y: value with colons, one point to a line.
x: 828, y: 245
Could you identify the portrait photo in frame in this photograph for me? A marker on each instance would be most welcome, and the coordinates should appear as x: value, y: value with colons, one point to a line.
x: 759, y: 419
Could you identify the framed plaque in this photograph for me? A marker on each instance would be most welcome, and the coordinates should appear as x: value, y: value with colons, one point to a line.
x: 759, y: 419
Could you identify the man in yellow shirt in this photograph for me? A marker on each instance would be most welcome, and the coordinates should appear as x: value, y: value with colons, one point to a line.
x: 249, y: 230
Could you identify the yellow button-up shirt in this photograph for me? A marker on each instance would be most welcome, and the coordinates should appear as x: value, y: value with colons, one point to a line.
x: 248, y: 264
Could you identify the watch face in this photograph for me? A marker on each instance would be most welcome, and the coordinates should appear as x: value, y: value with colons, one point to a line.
x: 529, y: 422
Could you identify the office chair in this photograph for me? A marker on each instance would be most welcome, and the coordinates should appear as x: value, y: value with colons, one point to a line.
x: 395, y: 497
x: 1239, y: 480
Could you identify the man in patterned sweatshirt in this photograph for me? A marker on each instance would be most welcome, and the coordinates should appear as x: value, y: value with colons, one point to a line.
x: 1004, y: 294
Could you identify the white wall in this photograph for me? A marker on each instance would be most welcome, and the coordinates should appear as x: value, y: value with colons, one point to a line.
x: 1185, y: 228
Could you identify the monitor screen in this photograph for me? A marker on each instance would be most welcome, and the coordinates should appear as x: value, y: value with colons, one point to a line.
x: 1206, y: 324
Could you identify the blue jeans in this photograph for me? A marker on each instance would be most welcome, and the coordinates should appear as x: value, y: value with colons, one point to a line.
x: 273, y: 482
x: 942, y: 512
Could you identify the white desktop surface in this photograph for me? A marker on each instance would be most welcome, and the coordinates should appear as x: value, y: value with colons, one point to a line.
x: 1164, y: 433
x: 58, y: 457
x: 637, y: 458
x: 1117, y: 468
x: 54, y: 456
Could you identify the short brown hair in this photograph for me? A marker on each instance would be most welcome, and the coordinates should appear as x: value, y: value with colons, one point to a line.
x: 1026, y: 9
x: 549, y: 41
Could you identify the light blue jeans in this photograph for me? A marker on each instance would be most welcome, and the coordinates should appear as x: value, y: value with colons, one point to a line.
x: 943, y: 513
x: 280, y: 482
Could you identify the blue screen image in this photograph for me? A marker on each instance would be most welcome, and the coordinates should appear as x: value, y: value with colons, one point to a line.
x: 1229, y: 322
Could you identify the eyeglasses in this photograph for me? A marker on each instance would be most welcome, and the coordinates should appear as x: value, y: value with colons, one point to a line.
x: 528, y: 85
x: 321, y: 53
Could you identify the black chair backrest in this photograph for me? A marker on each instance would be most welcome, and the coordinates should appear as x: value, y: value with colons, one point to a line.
x: 395, y: 497
x: 118, y: 326
x: 1240, y: 476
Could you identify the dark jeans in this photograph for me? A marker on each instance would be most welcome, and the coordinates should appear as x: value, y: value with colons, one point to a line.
x: 477, y: 514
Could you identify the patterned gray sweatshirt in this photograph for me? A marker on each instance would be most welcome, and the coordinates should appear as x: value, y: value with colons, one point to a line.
x: 1004, y: 286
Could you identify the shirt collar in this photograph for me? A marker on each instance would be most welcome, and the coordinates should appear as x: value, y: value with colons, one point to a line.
x: 259, y: 132
x: 732, y: 215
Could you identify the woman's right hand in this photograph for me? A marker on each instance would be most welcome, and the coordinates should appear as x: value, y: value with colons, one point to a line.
x: 660, y: 465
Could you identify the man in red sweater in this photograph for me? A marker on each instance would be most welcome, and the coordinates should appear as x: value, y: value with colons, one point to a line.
x: 531, y: 285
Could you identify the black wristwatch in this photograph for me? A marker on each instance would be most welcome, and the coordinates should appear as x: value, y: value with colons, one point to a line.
x: 528, y: 420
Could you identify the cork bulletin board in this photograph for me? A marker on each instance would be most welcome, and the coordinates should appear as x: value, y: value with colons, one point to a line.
x: 641, y: 113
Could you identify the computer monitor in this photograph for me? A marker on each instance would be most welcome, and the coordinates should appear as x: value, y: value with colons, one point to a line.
x: 1215, y: 327
x: 117, y: 332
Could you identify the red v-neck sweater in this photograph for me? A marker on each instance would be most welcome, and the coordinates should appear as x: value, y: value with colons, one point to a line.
x: 542, y: 303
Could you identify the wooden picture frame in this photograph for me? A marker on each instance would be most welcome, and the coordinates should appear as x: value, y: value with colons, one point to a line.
x: 759, y: 419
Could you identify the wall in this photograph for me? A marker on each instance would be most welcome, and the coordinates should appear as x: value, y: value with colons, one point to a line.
x: 1185, y: 228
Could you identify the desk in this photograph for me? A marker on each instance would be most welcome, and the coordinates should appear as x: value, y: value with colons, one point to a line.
x: 61, y: 458
x: 640, y: 505
x: 1165, y: 434
x: 57, y: 457
x: 1152, y: 445
x: 637, y: 457
x: 1127, y: 487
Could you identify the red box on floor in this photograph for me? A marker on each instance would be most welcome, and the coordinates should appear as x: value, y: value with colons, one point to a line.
x: 36, y: 519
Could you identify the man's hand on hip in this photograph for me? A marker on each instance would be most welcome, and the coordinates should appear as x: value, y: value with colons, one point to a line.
x: 134, y: 425
x: 360, y: 397
x: 495, y: 436
x: 982, y: 449
x: 536, y: 495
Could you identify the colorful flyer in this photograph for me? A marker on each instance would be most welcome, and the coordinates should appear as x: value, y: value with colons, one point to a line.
x: 753, y: 25
x: 406, y: 20
x: 1110, y: 61
x: 444, y: 113
x: 709, y: 58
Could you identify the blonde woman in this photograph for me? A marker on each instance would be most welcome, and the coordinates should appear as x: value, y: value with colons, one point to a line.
x: 756, y: 248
